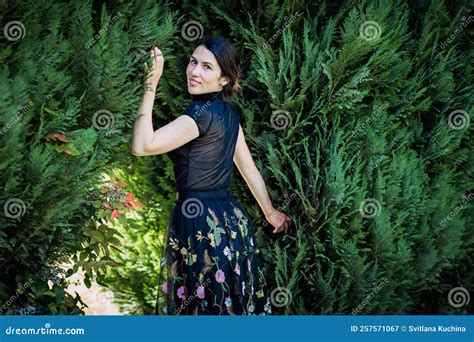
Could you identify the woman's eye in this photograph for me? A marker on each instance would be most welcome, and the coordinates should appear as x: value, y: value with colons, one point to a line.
x: 192, y: 61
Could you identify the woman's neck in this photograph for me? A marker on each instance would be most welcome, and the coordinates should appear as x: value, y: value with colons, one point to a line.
x: 215, y: 95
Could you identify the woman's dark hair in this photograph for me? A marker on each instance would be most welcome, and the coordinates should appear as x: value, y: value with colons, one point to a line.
x: 228, y: 58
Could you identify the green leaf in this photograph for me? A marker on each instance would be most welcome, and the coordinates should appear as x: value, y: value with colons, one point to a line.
x: 210, y: 222
x: 49, y: 293
x: 115, y: 241
x: 97, y: 235
x: 59, y: 294
x: 72, y: 149
x: 53, y: 308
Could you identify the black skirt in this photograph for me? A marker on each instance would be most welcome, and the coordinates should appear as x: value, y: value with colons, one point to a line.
x: 213, y: 266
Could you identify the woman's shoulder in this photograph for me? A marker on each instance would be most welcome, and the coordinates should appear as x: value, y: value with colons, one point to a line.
x: 202, y: 115
x: 200, y: 107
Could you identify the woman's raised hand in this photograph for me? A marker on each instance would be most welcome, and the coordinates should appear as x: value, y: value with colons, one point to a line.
x: 157, y: 67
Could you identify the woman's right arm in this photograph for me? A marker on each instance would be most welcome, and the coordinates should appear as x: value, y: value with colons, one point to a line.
x: 244, y: 161
x: 146, y: 141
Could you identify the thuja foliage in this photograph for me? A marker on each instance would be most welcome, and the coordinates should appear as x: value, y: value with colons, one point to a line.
x: 357, y: 114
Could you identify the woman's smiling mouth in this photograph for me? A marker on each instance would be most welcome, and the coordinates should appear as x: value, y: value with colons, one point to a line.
x: 193, y: 82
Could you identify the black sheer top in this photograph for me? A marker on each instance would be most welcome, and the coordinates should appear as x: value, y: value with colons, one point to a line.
x: 206, y: 162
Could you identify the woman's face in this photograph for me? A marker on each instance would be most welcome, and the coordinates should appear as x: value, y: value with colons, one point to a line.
x: 203, y: 72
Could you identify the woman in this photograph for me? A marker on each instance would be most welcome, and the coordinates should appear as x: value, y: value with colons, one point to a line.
x: 213, y: 263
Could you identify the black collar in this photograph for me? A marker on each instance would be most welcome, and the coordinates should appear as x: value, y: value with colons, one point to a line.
x: 216, y: 95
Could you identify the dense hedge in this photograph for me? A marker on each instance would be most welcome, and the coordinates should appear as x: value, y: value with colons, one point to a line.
x: 357, y: 114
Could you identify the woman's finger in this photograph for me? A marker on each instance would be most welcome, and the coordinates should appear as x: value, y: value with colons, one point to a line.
x: 277, y: 229
x: 158, y: 53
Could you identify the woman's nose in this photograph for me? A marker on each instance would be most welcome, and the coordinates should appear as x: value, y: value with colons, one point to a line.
x: 195, y: 72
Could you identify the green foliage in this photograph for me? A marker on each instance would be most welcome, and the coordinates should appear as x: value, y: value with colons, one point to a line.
x: 348, y: 110
x: 68, y: 92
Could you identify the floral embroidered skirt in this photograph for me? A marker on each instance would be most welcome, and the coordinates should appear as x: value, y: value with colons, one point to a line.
x: 212, y: 264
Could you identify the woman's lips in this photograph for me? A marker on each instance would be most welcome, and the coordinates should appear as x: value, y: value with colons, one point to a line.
x: 193, y: 83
